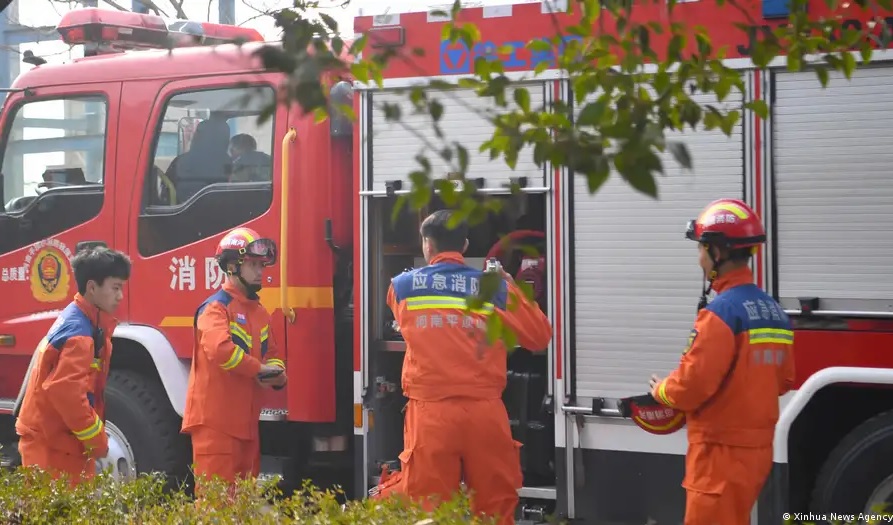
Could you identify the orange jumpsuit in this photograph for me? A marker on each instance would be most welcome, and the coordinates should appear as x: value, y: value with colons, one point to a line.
x: 232, y: 339
x: 61, y: 423
x: 738, y: 363
x: 456, y: 422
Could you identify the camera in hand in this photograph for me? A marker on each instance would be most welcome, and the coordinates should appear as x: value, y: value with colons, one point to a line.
x: 268, y: 375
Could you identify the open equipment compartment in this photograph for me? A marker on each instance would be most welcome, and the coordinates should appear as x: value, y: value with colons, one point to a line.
x: 396, y: 247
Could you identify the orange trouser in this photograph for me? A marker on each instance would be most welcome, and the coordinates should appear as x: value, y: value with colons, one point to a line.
x: 215, y: 453
x: 723, y: 482
x: 444, y: 440
x: 37, y: 453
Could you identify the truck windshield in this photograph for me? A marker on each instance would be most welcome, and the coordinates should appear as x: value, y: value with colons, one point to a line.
x: 53, y: 144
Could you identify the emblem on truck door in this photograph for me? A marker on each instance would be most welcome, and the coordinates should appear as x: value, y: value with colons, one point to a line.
x: 48, y: 264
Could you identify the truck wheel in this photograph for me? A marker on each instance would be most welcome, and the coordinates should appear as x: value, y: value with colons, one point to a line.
x: 858, y: 474
x: 143, y: 429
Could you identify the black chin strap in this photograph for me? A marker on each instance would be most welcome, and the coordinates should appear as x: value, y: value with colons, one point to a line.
x: 250, y: 289
x: 707, y: 286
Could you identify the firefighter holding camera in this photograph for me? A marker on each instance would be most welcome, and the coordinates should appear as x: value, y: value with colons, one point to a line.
x: 234, y: 356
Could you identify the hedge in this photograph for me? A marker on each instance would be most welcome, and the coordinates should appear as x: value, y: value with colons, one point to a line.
x: 28, y: 496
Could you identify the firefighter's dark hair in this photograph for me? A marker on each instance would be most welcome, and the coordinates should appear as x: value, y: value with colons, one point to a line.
x: 738, y: 255
x: 445, y: 239
x: 98, y: 264
x: 244, y: 142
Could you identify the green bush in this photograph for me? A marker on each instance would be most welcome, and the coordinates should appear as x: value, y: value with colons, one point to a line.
x: 28, y: 496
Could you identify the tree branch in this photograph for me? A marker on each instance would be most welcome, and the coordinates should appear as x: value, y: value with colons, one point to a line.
x: 150, y: 4
x: 112, y: 3
x: 178, y: 7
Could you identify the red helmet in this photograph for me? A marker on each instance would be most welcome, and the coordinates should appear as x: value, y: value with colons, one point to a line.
x: 651, y: 416
x: 240, y: 243
x: 727, y: 223
x: 657, y: 420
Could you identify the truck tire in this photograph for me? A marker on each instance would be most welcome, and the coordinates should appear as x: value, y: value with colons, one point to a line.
x: 859, y: 470
x: 143, y: 428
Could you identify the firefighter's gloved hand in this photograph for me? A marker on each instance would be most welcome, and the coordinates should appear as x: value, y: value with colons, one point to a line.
x: 272, y: 376
x: 654, y: 381
x: 97, y: 447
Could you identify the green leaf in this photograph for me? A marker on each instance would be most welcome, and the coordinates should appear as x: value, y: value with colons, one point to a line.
x: 494, y: 328
x: 849, y: 65
x: 522, y: 98
x: 435, y: 109
x: 358, y: 46
x: 330, y: 22
x: 865, y: 52
x: 398, y: 206
x: 599, y: 175
x: 462, y: 155
x: 591, y: 114
x: 643, y: 181
x: 822, y: 73
x: 360, y: 71
x: 539, y: 45
x: 644, y: 38
x: 723, y: 87
x: 727, y: 123
x: 759, y: 107
x: 680, y: 153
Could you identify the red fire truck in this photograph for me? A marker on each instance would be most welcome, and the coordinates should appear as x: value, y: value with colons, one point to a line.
x: 616, y: 276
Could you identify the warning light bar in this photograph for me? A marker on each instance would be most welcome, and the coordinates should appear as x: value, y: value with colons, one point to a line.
x: 113, y: 31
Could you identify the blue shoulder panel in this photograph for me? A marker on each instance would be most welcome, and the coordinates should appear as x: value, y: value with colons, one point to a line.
x: 444, y: 280
x: 72, y: 322
x: 747, y: 307
x: 220, y: 296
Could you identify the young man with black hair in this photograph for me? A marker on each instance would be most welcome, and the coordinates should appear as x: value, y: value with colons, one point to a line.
x: 62, y: 419
x: 456, y: 423
x: 737, y: 363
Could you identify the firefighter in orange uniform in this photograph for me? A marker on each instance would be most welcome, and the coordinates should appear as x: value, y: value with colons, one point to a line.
x: 61, y: 423
x: 738, y: 362
x: 456, y: 422
x: 234, y: 357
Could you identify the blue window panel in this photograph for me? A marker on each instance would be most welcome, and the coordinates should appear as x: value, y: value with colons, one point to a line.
x: 776, y: 9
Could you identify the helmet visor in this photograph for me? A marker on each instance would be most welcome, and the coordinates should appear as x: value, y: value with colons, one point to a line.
x: 690, y: 230
x: 264, y: 249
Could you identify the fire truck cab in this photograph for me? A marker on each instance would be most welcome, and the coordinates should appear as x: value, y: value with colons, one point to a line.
x: 158, y: 152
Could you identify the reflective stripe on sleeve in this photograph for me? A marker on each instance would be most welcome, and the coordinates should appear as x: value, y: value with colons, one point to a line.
x: 240, y: 336
x: 662, y: 393
x: 276, y: 362
x: 90, y: 432
x: 234, y: 360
